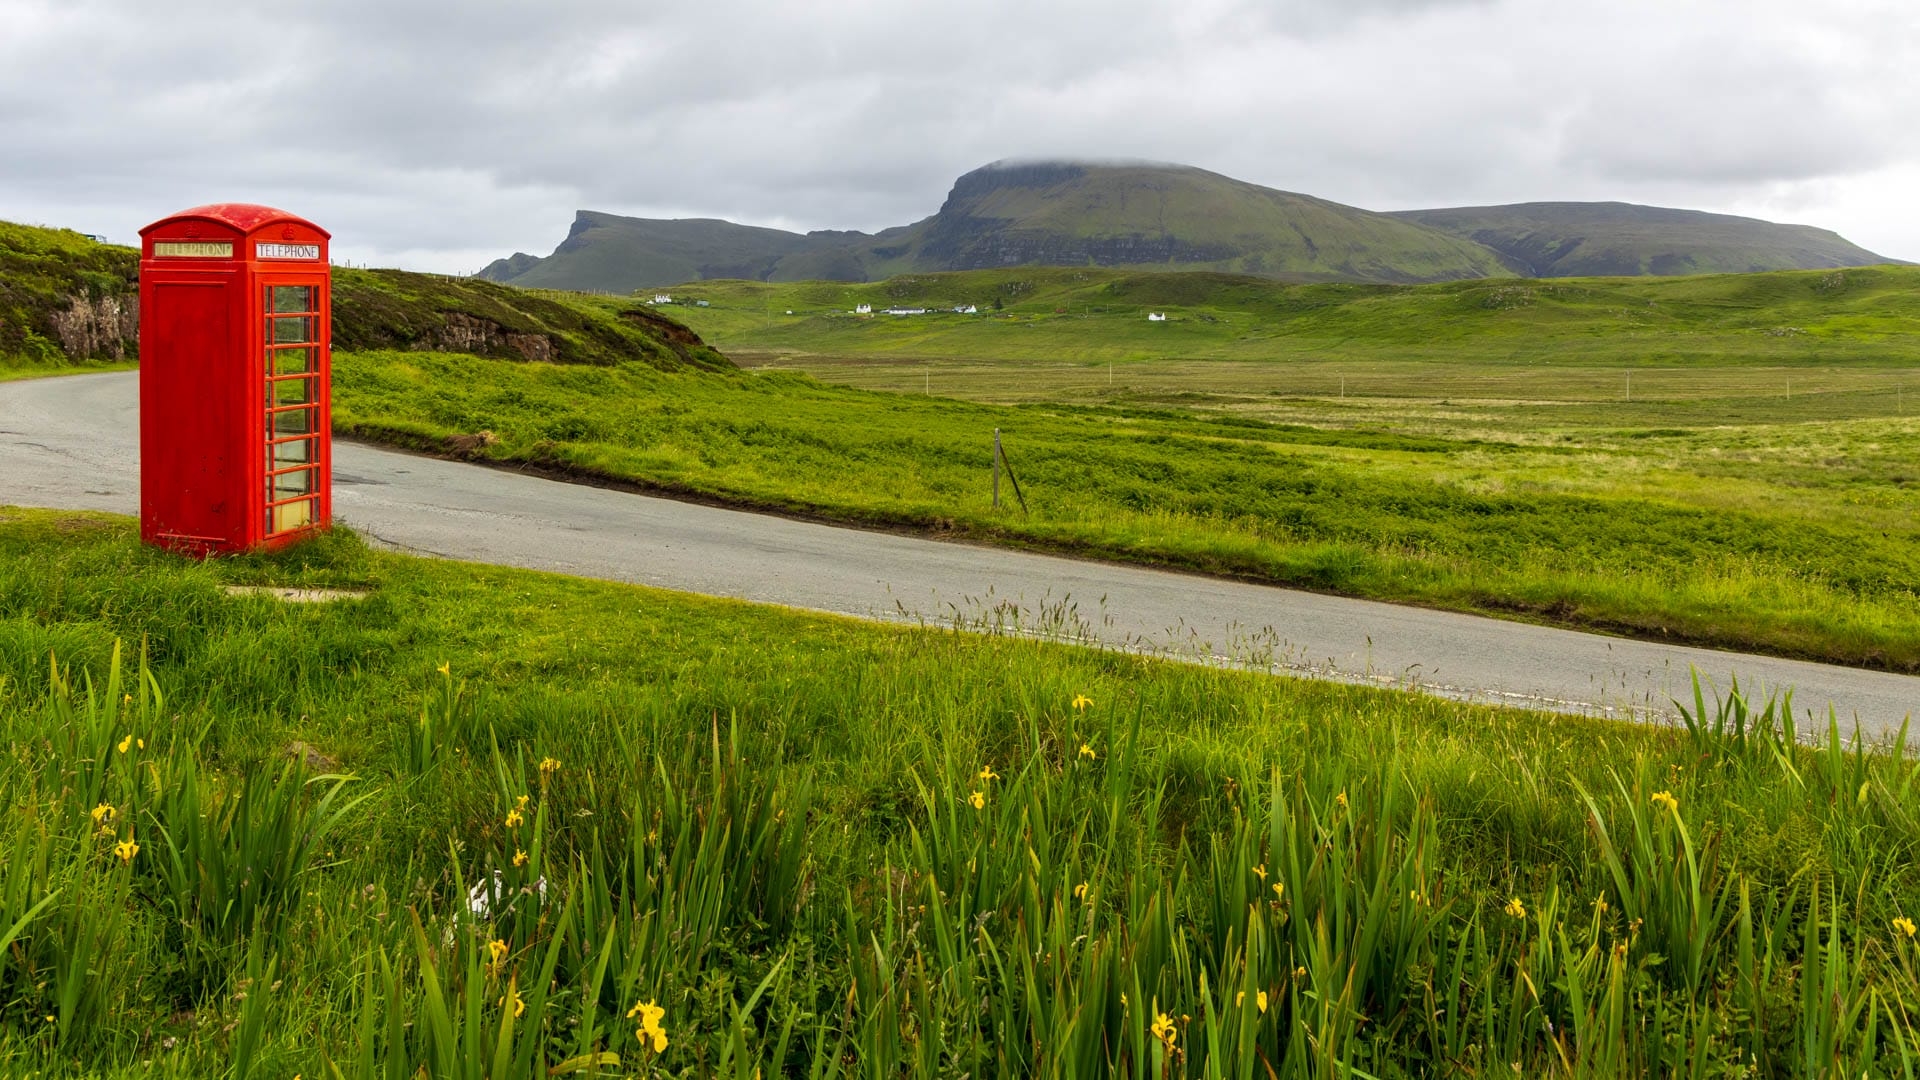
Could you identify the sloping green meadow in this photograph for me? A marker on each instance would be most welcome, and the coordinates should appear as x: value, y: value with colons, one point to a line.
x: 536, y: 825
x: 1808, y: 317
x: 1693, y: 536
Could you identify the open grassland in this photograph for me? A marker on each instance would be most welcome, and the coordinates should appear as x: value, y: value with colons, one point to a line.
x: 1730, y: 537
x: 1800, y: 318
x: 473, y: 821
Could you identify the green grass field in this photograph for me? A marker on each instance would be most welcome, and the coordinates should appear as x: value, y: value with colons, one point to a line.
x: 1792, y: 319
x: 738, y: 840
x: 1727, y: 536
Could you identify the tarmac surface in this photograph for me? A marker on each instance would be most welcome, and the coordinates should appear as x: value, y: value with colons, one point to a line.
x: 73, y: 442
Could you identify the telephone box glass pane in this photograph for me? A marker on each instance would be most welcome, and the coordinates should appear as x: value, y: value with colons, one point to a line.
x: 291, y: 392
x: 290, y: 361
x: 292, y: 331
x: 291, y: 516
x: 287, y: 485
x: 298, y: 452
x: 291, y: 298
x: 294, y: 422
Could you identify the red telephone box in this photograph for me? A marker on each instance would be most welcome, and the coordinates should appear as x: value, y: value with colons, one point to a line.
x: 236, y: 450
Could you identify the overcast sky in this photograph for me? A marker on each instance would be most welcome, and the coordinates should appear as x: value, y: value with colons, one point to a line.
x: 441, y: 136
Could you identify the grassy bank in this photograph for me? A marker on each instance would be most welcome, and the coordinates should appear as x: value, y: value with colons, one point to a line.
x: 858, y: 850
x: 69, y: 303
x: 1573, y: 534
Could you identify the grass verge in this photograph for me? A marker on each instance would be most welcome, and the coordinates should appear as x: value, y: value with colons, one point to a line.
x: 479, y: 821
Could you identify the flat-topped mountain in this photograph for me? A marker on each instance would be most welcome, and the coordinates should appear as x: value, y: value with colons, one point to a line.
x: 1166, y: 217
x: 1613, y: 239
x: 1175, y: 217
x: 609, y: 253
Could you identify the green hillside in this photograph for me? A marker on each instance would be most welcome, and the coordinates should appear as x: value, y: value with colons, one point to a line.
x: 1568, y: 239
x: 66, y: 301
x: 1047, y: 313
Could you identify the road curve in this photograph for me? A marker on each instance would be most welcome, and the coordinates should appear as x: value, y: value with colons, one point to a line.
x: 73, y: 442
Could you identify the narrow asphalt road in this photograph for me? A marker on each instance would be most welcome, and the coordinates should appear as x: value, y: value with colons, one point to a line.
x: 73, y: 442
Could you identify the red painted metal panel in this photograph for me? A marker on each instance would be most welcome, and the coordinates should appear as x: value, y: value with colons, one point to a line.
x: 189, y: 488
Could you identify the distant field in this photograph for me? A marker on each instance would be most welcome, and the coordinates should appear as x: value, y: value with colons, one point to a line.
x: 1796, y: 319
x: 1368, y: 391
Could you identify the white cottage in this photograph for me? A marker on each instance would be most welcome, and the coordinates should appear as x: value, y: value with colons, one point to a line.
x: 1155, y: 316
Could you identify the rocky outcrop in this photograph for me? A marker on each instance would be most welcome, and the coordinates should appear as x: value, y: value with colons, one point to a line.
x: 107, y: 328
x: 481, y: 337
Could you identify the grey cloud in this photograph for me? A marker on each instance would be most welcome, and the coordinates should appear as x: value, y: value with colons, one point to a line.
x: 431, y: 129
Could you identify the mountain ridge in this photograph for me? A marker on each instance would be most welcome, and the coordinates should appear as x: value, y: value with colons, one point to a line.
x: 1621, y: 239
x: 1150, y: 215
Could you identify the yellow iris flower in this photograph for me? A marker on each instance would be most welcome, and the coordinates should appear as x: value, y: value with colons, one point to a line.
x: 650, y: 1030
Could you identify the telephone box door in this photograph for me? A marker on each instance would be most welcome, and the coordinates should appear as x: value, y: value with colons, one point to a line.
x: 297, y: 455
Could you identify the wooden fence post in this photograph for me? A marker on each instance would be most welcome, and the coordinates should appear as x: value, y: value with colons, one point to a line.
x: 996, y: 468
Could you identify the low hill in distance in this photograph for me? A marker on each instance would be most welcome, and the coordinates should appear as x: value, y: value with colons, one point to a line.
x: 1612, y: 239
x: 1175, y: 217
x: 66, y: 300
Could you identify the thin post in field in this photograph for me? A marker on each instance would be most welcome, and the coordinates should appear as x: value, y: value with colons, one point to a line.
x: 996, y: 468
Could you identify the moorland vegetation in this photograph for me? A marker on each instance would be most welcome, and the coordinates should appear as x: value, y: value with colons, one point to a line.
x: 469, y: 821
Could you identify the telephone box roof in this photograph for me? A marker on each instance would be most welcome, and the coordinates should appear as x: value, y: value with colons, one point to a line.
x: 246, y: 217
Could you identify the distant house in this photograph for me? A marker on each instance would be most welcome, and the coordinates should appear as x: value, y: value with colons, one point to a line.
x: 789, y: 311
x: 1155, y: 316
x: 966, y: 309
x: 863, y: 309
x: 662, y: 298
